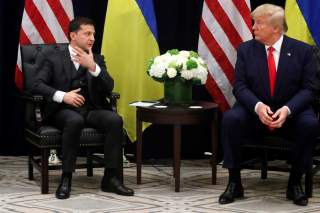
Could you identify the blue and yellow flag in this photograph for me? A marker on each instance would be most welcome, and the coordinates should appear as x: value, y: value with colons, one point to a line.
x: 129, y: 41
x: 303, y: 19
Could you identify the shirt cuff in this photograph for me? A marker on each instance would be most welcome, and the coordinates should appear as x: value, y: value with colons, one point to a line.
x: 96, y: 72
x: 256, y: 107
x: 58, y: 96
x: 289, y: 111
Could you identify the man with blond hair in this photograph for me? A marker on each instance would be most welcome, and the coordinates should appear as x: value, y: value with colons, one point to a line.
x: 274, y: 88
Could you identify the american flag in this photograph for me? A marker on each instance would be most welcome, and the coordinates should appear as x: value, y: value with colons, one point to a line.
x: 43, y: 21
x: 223, y: 26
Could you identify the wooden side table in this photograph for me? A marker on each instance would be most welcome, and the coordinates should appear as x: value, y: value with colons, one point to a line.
x: 205, y: 113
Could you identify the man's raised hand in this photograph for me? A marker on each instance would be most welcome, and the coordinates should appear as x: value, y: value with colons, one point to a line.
x: 84, y: 59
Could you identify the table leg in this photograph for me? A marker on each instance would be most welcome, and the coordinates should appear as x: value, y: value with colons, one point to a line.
x: 176, y: 151
x: 214, y: 143
x: 139, y: 148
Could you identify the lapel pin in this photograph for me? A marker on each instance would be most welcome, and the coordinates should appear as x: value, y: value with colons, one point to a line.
x: 289, y: 54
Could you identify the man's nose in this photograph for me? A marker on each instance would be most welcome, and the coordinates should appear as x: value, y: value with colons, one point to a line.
x: 254, y: 27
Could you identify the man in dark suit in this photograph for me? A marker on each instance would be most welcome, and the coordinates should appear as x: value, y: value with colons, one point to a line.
x: 75, y: 81
x: 274, y: 88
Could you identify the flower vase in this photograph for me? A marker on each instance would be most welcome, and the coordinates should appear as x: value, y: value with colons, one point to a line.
x: 177, y: 92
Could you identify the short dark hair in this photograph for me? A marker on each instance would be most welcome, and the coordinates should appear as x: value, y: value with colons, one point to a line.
x: 76, y: 23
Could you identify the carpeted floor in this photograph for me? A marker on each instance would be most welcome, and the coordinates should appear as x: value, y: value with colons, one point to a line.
x: 155, y: 194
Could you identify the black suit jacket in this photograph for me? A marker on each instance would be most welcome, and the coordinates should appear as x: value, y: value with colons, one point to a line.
x: 55, y: 73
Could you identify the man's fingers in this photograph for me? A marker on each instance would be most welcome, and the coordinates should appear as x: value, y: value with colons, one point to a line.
x: 76, y: 90
x: 276, y: 115
x: 77, y: 101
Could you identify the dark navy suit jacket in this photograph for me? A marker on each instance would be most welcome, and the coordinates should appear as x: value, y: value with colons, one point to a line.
x: 295, y: 81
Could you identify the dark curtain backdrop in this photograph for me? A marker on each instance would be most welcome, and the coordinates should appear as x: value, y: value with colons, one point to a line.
x: 178, y: 27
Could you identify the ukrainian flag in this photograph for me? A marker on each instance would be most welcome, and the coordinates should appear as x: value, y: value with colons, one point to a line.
x: 303, y: 19
x: 129, y: 41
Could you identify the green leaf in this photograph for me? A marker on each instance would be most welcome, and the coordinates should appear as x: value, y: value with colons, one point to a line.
x: 191, y: 64
x: 193, y: 54
x: 173, y: 51
x: 149, y: 64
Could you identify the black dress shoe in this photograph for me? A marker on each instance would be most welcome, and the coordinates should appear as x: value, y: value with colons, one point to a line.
x: 116, y: 186
x: 64, y: 189
x: 233, y: 190
x: 296, y: 194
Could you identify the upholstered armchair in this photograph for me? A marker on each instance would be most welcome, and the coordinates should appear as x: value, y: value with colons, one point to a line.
x: 44, y: 137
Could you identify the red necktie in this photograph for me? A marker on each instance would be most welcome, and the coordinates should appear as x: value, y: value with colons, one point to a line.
x: 272, y: 74
x: 272, y: 70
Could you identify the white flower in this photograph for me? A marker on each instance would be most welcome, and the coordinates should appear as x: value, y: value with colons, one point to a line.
x: 157, y: 70
x: 171, y: 72
x: 187, y: 74
x: 182, y: 61
x: 184, y: 54
x: 167, y: 66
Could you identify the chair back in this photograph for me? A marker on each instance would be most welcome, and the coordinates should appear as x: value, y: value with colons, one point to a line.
x: 32, y: 57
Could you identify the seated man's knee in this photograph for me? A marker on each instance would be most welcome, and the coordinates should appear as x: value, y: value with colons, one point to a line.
x: 76, y: 121
x: 232, y: 118
x: 117, y: 120
x: 308, y: 126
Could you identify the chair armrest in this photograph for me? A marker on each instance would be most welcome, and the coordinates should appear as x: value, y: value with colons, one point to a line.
x: 113, y: 97
x: 34, y: 106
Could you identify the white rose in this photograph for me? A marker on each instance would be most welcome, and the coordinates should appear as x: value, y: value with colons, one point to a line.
x: 187, y: 74
x: 157, y: 70
x: 165, y: 58
x: 182, y: 61
x: 184, y: 54
x: 171, y: 72
x: 201, y: 74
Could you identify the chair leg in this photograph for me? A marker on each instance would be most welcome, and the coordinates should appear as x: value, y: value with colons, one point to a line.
x: 89, y: 163
x: 308, y: 181
x: 264, y: 165
x: 44, y: 171
x: 30, y: 168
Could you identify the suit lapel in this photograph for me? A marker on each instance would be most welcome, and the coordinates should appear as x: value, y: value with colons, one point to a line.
x: 282, y: 66
x: 68, y: 67
x: 262, y: 66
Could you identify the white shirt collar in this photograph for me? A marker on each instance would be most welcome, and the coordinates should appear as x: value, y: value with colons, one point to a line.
x: 277, y: 45
x: 72, y: 54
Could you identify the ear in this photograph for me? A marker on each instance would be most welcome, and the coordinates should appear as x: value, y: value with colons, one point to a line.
x: 277, y: 29
x: 72, y: 35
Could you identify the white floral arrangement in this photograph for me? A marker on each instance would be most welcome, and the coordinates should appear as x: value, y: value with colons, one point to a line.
x: 175, y: 64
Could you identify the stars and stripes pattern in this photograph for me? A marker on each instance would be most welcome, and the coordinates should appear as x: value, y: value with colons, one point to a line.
x: 223, y: 26
x: 43, y: 21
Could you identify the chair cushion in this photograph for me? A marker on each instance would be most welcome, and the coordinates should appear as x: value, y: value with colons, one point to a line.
x: 50, y: 137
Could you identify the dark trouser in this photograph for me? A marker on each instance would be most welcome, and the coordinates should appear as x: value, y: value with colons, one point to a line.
x: 240, y: 126
x: 72, y: 122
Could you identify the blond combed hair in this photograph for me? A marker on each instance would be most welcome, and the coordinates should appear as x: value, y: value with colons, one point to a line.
x: 275, y: 13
